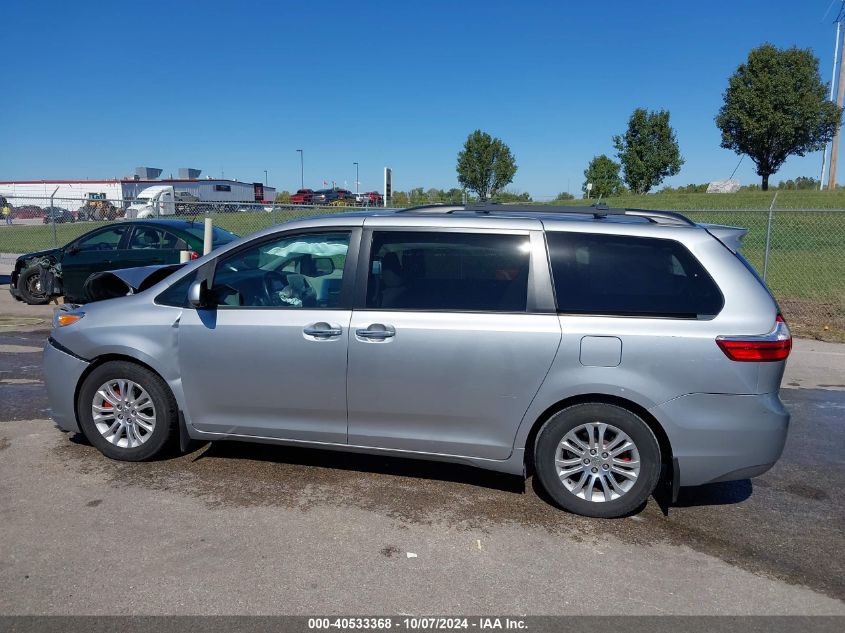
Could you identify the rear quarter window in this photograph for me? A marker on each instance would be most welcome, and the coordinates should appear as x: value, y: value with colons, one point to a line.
x: 620, y: 275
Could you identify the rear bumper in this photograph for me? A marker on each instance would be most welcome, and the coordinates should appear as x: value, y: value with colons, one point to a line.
x: 62, y: 372
x: 722, y: 437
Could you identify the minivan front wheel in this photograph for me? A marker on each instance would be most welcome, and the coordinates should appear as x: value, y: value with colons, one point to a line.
x: 597, y: 459
x: 126, y: 411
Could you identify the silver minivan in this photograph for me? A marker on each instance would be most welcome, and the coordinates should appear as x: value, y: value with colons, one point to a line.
x: 603, y: 350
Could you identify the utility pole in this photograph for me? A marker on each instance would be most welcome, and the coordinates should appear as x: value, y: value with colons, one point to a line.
x: 832, y: 87
x: 356, y: 177
x: 834, y: 149
x: 265, y: 178
x: 301, y: 170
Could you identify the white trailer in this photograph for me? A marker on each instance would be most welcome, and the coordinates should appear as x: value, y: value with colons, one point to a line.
x: 71, y: 194
x: 68, y: 194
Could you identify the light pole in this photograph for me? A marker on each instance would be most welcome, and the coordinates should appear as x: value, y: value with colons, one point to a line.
x: 356, y: 177
x: 265, y: 178
x: 301, y: 169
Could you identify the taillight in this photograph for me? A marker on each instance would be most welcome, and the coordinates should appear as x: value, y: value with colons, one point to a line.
x: 773, y: 346
x: 194, y: 255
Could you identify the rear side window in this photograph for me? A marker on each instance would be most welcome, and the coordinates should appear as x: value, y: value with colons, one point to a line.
x: 218, y: 236
x: 629, y: 276
x: 149, y: 238
x: 463, y: 272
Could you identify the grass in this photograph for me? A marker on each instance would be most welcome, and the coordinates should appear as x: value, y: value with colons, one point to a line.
x: 806, y: 264
x: 742, y: 200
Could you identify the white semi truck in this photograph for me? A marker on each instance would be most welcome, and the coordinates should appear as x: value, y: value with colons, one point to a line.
x: 161, y: 200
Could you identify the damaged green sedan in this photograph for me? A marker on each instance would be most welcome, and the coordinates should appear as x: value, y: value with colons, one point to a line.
x: 44, y: 275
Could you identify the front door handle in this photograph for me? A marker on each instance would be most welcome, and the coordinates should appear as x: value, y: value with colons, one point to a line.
x: 322, y: 330
x: 376, y: 332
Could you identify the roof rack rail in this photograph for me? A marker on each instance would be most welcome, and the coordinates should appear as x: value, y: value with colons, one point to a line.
x: 668, y: 217
x: 433, y: 208
x: 598, y: 210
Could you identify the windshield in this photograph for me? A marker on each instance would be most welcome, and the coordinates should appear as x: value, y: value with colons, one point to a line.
x: 218, y: 236
x: 141, y: 201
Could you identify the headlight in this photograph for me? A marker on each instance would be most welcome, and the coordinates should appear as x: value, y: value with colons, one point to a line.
x: 62, y: 318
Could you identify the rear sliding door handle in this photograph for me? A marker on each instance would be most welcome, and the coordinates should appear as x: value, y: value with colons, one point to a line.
x: 376, y: 332
x: 322, y: 330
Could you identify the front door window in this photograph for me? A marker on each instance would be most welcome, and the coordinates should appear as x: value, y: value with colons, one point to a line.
x: 301, y: 271
x: 105, y: 240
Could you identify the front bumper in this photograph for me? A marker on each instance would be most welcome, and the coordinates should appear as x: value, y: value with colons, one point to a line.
x: 13, y: 283
x: 62, y: 372
x: 724, y: 437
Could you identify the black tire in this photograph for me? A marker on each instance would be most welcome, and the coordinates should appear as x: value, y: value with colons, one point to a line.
x: 29, y: 287
x: 164, y: 430
x: 547, y: 447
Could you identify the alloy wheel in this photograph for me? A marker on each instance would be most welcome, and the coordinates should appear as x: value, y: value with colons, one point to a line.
x: 123, y: 413
x: 597, y: 462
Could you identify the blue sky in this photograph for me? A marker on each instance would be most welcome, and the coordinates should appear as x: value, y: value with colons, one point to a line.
x: 94, y: 89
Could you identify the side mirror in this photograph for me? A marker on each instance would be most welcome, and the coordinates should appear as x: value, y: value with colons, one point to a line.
x: 198, y: 295
x: 323, y: 266
x: 72, y: 250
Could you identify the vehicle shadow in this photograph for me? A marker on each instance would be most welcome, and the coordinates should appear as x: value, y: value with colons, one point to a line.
x: 717, y: 494
x: 725, y: 493
x: 363, y: 463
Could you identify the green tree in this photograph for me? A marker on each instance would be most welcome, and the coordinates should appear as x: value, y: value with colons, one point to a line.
x: 563, y: 196
x: 283, y: 197
x: 454, y: 195
x: 690, y: 188
x: 434, y: 194
x: 775, y: 106
x: 648, y: 150
x: 513, y: 196
x: 604, y: 174
x: 485, y: 165
x: 417, y: 195
x: 805, y: 183
x: 399, y: 199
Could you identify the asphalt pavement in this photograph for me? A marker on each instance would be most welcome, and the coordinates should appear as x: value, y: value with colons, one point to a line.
x: 236, y: 528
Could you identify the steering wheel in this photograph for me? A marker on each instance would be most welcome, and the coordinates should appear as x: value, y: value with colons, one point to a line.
x: 274, y: 282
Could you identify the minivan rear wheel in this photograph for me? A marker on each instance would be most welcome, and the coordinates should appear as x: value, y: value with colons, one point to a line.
x: 126, y: 411
x: 597, y: 460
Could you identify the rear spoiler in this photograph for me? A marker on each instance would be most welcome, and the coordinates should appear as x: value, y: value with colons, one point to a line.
x: 730, y: 236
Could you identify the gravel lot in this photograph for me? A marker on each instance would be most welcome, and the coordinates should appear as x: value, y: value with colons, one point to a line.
x: 236, y: 528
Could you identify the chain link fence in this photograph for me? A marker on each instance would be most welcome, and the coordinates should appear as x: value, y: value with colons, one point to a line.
x: 800, y: 251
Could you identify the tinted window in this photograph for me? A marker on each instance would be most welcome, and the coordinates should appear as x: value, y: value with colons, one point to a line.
x: 418, y: 270
x: 629, y: 276
x: 105, y: 240
x: 147, y: 237
x: 298, y: 271
x: 218, y: 236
